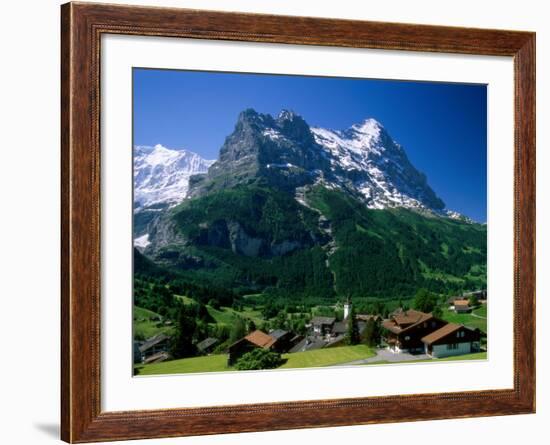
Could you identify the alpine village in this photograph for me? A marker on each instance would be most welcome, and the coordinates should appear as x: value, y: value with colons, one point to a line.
x: 300, y: 247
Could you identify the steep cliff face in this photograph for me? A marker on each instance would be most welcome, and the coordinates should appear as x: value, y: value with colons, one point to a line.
x: 311, y: 211
x: 279, y: 152
x: 286, y: 153
x: 249, y: 220
x: 375, y: 166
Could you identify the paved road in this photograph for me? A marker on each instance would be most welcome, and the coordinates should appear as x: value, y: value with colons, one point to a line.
x: 383, y: 355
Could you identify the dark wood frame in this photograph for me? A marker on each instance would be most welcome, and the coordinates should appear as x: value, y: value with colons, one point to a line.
x: 82, y: 25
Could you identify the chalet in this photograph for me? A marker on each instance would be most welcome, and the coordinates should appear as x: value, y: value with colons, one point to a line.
x: 256, y: 339
x: 451, y: 300
x: 404, y: 330
x: 481, y: 295
x: 452, y: 339
x: 322, y: 325
x: 284, y: 340
x: 153, y: 345
x: 205, y: 346
x: 461, y: 306
x: 308, y: 344
x: 341, y: 327
x: 157, y: 358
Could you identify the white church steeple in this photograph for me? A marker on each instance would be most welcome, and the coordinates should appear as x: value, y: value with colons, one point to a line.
x: 347, y: 308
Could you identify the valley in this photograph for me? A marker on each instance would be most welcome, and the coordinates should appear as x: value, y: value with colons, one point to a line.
x: 271, y: 246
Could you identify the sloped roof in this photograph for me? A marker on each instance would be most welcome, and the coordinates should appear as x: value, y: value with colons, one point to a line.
x: 323, y: 320
x: 206, y: 343
x: 410, y: 316
x: 157, y: 358
x: 401, y: 321
x: 442, y: 332
x: 367, y: 317
x: 340, y: 327
x: 308, y: 344
x: 260, y: 338
x: 153, y: 341
x: 300, y: 346
x: 278, y: 333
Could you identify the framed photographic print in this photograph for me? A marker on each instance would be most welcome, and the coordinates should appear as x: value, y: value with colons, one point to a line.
x: 276, y: 222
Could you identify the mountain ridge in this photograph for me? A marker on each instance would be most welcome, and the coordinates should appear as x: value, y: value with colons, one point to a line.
x: 161, y: 174
x: 285, y: 151
x: 363, y: 160
x: 290, y: 210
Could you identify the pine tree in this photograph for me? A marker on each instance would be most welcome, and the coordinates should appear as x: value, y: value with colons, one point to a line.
x: 238, y: 330
x: 353, y: 328
x: 182, y: 345
x: 425, y: 300
x: 437, y: 312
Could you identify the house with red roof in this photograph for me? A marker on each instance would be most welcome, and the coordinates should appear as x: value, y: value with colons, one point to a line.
x: 256, y: 339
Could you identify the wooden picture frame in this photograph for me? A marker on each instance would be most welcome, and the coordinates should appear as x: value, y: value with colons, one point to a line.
x: 82, y: 25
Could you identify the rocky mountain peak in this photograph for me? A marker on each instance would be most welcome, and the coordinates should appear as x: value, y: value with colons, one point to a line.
x: 369, y: 127
x: 161, y: 174
x: 287, y: 115
x: 285, y: 152
x: 293, y: 126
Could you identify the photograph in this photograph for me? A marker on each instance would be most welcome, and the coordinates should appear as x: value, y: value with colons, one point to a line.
x: 286, y: 221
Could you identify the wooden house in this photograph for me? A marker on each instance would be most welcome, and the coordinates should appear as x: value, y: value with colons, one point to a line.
x: 157, y: 358
x: 452, y: 339
x: 322, y: 325
x: 404, y: 330
x: 461, y: 306
x: 256, y: 339
x: 154, y: 345
x: 283, y: 340
x: 205, y: 346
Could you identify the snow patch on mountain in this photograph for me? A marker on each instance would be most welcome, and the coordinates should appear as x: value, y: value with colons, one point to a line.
x: 161, y: 174
x: 458, y: 216
x: 366, y: 159
x: 142, y: 241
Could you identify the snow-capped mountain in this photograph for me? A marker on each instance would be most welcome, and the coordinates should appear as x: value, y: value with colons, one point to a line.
x: 366, y: 158
x: 161, y: 175
x: 287, y: 153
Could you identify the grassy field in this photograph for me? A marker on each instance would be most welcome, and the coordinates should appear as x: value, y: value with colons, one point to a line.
x: 208, y: 363
x: 226, y: 315
x: 316, y: 358
x: 185, y: 299
x: 481, y: 311
x: 217, y: 363
x: 146, y: 324
x: 468, y: 319
x: 473, y: 356
x: 139, y: 312
x: 327, y: 357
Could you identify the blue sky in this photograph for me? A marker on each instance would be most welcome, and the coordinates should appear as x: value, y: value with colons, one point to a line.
x: 441, y: 126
